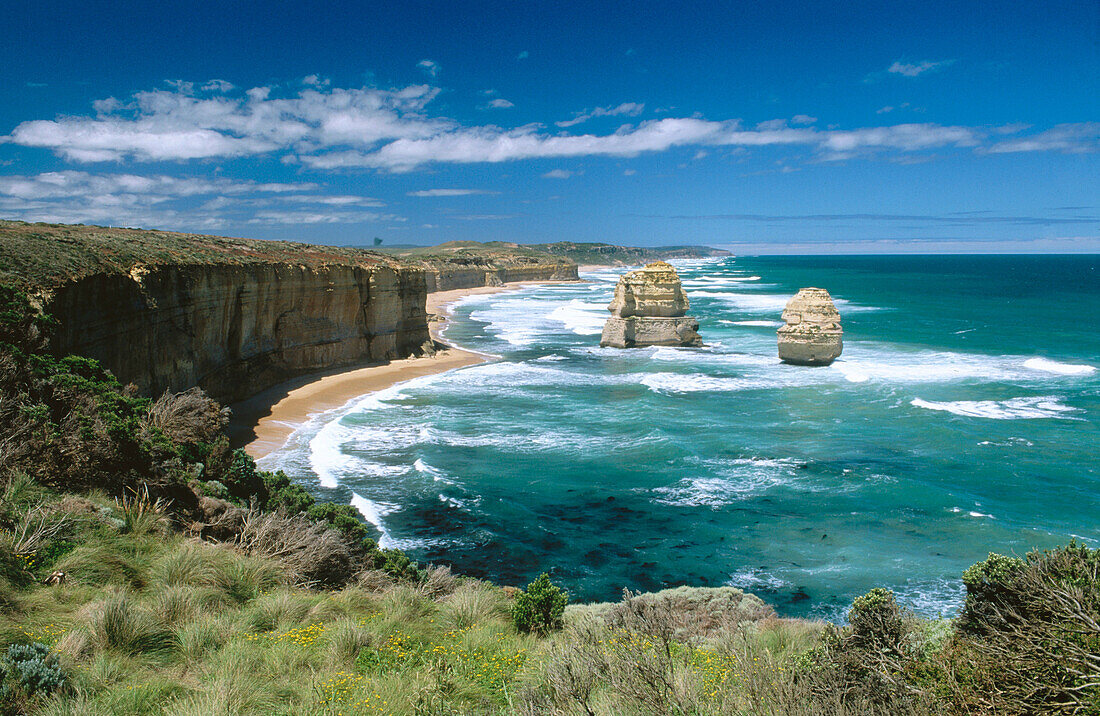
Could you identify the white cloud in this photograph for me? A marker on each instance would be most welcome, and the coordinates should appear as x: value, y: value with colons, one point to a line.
x: 170, y: 202
x: 162, y: 125
x: 629, y: 172
x: 450, y: 192
x: 429, y: 67
x: 218, y: 86
x: 907, y: 69
x: 1068, y: 138
x: 500, y: 103
x: 558, y: 174
x: 803, y: 120
x: 393, y: 130
x: 628, y: 109
x: 320, y: 217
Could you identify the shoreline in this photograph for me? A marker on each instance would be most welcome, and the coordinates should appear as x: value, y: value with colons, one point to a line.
x: 262, y: 423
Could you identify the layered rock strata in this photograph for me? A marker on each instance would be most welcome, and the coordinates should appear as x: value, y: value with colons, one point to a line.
x: 649, y: 309
x: 236, y: 330
x: 812, y: 334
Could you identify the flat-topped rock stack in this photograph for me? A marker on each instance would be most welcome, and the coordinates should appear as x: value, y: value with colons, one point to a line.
x: 649, y: 309
x: 812, y: 334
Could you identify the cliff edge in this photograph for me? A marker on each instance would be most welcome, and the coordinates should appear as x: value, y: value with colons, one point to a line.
x: 167, y: 310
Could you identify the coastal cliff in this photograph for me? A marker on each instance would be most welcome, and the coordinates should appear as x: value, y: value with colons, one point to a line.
x: 470, y: 264
x: 166, y: 310
x: 235, y: 330
x: 233, y: 316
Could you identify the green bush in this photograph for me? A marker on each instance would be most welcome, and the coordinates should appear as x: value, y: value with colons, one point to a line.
x: 876, y: 620
x: 343, y: 517
x: 539, y: 609
x: 988, y: 583
x: 213, y: 488
x: 243, y: 480
x: 285, y: 495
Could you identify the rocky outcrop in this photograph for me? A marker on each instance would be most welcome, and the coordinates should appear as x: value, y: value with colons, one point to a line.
x: 235, y: 330
x: 649, y: 309
x: 812, y: 334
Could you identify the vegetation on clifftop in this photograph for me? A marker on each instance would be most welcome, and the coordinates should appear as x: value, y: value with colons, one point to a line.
x: 579, y: 253
x: 596, y: 254
x: 45, y: 255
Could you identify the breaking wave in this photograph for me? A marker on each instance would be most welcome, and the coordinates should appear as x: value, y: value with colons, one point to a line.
x: 1012, y: 409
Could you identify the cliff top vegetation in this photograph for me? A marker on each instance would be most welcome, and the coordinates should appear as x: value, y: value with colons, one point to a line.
x: 45, y: 255
x: 592, y: 254
x: 597, y: 254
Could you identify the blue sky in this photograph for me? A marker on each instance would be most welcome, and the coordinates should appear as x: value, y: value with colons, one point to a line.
x: 768, y: 127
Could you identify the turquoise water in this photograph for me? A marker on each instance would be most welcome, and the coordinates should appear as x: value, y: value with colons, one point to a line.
x: 962, y: 418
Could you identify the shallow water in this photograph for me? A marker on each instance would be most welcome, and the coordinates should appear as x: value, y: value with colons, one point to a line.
x: 961, y: 418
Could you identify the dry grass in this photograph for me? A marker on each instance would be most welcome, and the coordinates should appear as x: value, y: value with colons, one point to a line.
x: 187, y: 418
x: 310, y: 552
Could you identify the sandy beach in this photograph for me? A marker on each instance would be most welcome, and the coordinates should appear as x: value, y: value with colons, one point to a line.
x: 263, y: 423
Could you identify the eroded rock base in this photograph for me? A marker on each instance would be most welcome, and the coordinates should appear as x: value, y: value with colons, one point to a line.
x: 638, y: 331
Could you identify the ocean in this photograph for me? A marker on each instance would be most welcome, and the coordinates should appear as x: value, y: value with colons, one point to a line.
x: 962, y: 418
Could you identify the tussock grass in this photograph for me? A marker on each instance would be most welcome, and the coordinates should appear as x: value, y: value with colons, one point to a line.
x: 119, y: 623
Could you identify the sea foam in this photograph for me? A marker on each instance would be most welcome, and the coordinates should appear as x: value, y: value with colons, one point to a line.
x: 583, y: 318
x: 1050, y: 366
x: 373, y: 512
x: 1011, y: 409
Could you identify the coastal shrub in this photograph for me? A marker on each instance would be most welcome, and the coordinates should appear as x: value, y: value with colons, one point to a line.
x: 190, y: 420
x: 343, y: 517
x: 699, y: 611
x: 282, y: 494
x: 310, y: 552
x: 871, y: 660
x: 989, y: 582
x: 243, y: 480
x: 539, y: 608
x: 22, y: 326
x: 1033, y: 627
x: 28, y: 670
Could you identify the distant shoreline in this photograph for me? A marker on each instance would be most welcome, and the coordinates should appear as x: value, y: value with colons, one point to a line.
x: 262, y: 423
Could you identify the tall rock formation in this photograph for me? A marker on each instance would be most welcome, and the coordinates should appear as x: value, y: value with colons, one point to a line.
x: 649, y: 309
x: 812, y: 334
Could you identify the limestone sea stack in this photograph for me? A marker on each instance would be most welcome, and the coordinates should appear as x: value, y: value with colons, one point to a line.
x: 812, y: 334
x: 649, y: 309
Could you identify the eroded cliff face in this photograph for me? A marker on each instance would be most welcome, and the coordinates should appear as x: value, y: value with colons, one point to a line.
x: 169, y: 310
x: 237, y: 329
